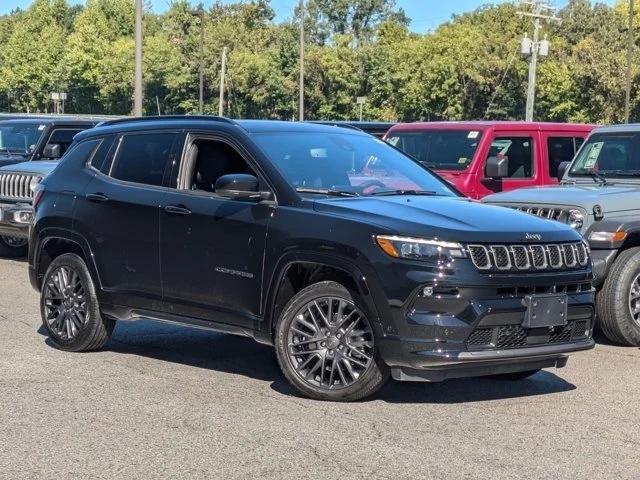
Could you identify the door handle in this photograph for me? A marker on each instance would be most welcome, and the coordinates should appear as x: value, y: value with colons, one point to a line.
x: 176, y: 210
x: 96, y: 197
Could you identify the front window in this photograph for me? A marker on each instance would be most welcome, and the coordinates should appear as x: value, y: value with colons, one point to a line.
x: 347, y: 164
x: 439, y: 149
x: 19, y: 139
x: 609, y: 155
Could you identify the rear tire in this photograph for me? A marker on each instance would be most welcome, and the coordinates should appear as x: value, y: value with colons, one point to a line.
x: 326, y: 347
x: 619, y: 300
x: 13, y: 247
x: 69, y: 307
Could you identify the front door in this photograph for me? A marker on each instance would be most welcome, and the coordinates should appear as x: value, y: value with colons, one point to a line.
x: 521, y: 150
x: 212, y: 248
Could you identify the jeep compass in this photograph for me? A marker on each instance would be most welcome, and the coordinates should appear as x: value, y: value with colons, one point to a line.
x: 352, y: 259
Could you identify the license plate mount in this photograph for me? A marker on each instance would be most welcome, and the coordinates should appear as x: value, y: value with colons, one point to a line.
x: 548, y: 310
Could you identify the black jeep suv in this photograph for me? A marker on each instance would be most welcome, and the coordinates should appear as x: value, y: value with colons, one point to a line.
x: 351, y: 258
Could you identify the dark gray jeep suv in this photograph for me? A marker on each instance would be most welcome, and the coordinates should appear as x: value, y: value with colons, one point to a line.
x: 599, y: 197
x: 349, y: 257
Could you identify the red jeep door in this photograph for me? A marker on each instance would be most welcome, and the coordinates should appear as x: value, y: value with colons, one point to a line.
x: 521, y: 149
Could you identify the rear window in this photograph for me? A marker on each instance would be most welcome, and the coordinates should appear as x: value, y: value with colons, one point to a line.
x: 142, y: 158
x: 439, y: 149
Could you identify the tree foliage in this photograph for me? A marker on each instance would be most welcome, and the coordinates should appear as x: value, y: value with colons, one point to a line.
x: 468, y: 68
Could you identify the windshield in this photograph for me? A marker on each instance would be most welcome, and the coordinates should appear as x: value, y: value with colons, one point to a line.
x: 19, y: 139
x: 609, y: 155
x: 343, y: 163
x: 439, y: 149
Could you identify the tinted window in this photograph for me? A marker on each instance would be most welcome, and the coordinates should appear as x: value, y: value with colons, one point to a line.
x: 63, y: 137
x: 439, y: 149
x: 101, y: 160
x: 142, y: 158
x: 561, y: 149
x: 356, y: 164
x: 609, y: 155
x: 519, y: 152
x: 81, y: 152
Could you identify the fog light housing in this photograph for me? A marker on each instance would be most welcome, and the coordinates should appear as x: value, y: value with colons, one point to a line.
x: 23, y: 216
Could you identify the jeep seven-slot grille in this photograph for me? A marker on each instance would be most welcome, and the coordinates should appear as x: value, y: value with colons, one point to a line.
x: 16, y: 186
x: 557, y: 214
x: 529, y: 257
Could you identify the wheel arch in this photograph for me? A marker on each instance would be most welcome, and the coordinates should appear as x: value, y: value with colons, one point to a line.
x: 295, y: 271
x: 50, y: 244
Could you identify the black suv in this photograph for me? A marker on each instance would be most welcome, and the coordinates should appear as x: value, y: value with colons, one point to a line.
x: 23, y: 141
x: 351, y: 258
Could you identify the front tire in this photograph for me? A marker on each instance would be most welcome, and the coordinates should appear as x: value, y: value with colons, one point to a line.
x: 13, y: 247
x: 619, y: 300
x: 69, y: 307
x: 326, y: 347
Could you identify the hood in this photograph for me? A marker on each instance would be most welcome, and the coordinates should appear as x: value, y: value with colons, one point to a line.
x: 611, y: 198
x: 43, y: 168
x: 453, y: 219
x: 11, y: 159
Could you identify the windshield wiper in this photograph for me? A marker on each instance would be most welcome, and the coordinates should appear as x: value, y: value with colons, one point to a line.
x: 597, y: 177
x: 321, y: 191
x: 402, y: 192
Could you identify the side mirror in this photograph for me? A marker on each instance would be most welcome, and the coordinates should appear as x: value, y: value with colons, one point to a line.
x: 240, y: 186
x: 52, y: 151
x: 497, y: 167
x: 562, y: 169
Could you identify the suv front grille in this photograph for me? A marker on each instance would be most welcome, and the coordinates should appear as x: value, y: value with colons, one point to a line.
x: 528, y: 257
x: 557, y: 214
x: 16, y: 186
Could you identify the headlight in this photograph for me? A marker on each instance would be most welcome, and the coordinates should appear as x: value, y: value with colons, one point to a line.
x: 575, y: 219
x: 34, y: 183
x: 607, y: 237
x: 428, y: 250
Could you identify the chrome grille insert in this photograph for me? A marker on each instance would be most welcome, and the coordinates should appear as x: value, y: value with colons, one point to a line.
x: 529, y: 257
x: 16, y: 186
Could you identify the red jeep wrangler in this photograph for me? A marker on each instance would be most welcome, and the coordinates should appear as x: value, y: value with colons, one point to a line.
x: 481, y: 158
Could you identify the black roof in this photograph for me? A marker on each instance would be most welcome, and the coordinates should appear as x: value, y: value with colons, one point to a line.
x: 195, y: 122
x: 49, y: 121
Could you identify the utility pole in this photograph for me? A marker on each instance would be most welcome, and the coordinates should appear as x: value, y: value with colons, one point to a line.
x: 627, y: 104
x: 137, y: 94
x: 223, y: 72
x: 200, y: 14
x: 533, y: 47
x: 301, y: 86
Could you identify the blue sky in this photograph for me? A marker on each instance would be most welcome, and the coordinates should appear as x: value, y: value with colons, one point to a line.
x: 425, y: 14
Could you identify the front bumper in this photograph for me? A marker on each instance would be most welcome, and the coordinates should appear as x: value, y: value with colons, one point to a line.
x: 479, y: 331
x: 15, y: 219
x: 602, y: 261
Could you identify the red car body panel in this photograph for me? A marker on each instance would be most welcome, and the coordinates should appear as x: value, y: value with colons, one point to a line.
x: 472, y: 180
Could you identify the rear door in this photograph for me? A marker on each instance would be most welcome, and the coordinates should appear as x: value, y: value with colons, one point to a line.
x: 521, y: 149
x: 559, y: 147
x: 119, y: 216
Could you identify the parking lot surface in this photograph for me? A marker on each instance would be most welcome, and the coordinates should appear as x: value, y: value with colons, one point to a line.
x: 162, y: 401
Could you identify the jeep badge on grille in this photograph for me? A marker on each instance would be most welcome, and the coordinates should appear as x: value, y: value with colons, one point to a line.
x: 533, y: 236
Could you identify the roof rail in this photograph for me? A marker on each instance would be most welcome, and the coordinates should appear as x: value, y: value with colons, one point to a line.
x: 119, y: 121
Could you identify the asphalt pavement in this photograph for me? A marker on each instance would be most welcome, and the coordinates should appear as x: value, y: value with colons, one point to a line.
x: 163, y: 401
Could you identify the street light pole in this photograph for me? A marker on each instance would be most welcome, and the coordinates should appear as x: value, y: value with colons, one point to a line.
x: 223, y: 72
x: 534, y: 47
x: 627, y: 104
x: 200, y: 14
x: 137, y: 94
x: 301, y: 86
